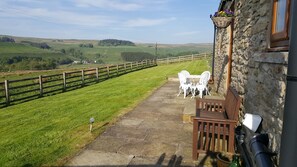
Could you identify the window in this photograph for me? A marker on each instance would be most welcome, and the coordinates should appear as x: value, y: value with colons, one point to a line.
x: 280, y: 24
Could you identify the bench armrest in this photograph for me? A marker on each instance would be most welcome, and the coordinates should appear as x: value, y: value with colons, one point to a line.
x: 214, y: 120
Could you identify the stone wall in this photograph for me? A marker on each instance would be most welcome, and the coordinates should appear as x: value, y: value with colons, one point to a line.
x: 258, y: 75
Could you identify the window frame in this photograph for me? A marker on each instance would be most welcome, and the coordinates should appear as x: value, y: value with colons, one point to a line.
x: 280, y: 40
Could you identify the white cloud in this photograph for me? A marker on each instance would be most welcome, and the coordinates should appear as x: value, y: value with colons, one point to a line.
x: 142, y: 22
x: 127, y: 19
x: 110, y: 4
x: 51, y: 12
x: 57, y: 16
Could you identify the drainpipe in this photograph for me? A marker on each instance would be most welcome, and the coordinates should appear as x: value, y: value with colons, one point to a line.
x: 288, y: 151
x: 213, y: 51
x: 259, y: 148
x: 230, y: 55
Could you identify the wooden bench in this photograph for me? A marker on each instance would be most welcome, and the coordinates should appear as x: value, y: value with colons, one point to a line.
x: 214, y: 124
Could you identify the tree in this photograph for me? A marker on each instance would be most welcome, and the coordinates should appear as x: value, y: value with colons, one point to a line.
x: 7, y: 39
x: 115, y: 42
x: 89, y: 45
x: 63, y: 51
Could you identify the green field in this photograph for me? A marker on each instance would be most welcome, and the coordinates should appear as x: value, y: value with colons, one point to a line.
x: 17, y: 49
x: 112, y: 54
x: 108, y: 54
x: 47, y: 131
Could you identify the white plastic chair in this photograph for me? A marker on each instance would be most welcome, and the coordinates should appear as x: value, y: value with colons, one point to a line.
x: 201, y: 85
x: 184, y: 86
x: 186, y: 74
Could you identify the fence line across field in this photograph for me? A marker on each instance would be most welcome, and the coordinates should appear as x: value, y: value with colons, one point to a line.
x: 21, y: 90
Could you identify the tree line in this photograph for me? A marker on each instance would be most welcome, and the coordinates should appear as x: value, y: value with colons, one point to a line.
x: 31, y: 63
x: 83, y: 45
x: 7, y: 39
x: 115, y: 42
x: 26, y: 63
x: 42, y: 45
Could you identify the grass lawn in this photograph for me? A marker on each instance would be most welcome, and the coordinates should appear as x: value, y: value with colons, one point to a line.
x: 49, y: 130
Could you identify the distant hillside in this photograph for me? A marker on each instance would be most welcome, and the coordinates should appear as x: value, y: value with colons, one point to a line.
x: 115, y: 42
x: 42, y: 45
x: 23, y: 53
x: 137, y: 56
x: 7, y: 39
x: 18, y: 56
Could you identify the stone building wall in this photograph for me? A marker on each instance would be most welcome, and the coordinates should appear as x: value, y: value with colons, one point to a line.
x: 258, y: 75
x: 221, y: 59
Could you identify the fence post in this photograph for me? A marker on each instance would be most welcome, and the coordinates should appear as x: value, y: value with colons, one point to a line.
x: 167, y: 60
x: 117, y: 69
x: 82, y: 78
x: 64, y: 81
x: 40, y: 85
x: 125, y: 66
x: 107, y: 69
x: 6, y: 85
x: 192, y: 57
x: 97, y: 74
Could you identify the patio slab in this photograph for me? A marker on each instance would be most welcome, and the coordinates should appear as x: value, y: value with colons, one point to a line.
x: 97, y: 158
x: 154, y: 133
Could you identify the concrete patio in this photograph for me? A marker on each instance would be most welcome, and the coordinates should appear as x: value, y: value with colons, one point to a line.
x: 158, y: 132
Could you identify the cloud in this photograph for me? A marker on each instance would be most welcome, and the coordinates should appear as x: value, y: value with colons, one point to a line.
x: 110, y: 4
x: 142, y: 22
x: 57, y: 16
x: 59, y: 13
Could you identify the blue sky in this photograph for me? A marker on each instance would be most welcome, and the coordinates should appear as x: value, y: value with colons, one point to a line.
x: 161, y: 21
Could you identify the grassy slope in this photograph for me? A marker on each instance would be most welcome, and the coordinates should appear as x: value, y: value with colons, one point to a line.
x: 112, y: 54
x: 16, y: 49
x: 48, y: 130
x: 109, y: 54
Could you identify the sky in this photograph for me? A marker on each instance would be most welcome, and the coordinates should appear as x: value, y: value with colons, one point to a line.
x: 139, y: 21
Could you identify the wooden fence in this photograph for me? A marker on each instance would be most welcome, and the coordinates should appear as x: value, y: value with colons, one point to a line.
x: 180, y: 59
x: 21, y: 90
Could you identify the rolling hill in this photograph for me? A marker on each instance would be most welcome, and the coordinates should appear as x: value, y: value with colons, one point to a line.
x: 64, y: 51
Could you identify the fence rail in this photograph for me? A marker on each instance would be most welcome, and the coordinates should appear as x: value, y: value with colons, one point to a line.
x: 180, y: 59
x: 21, y: 90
